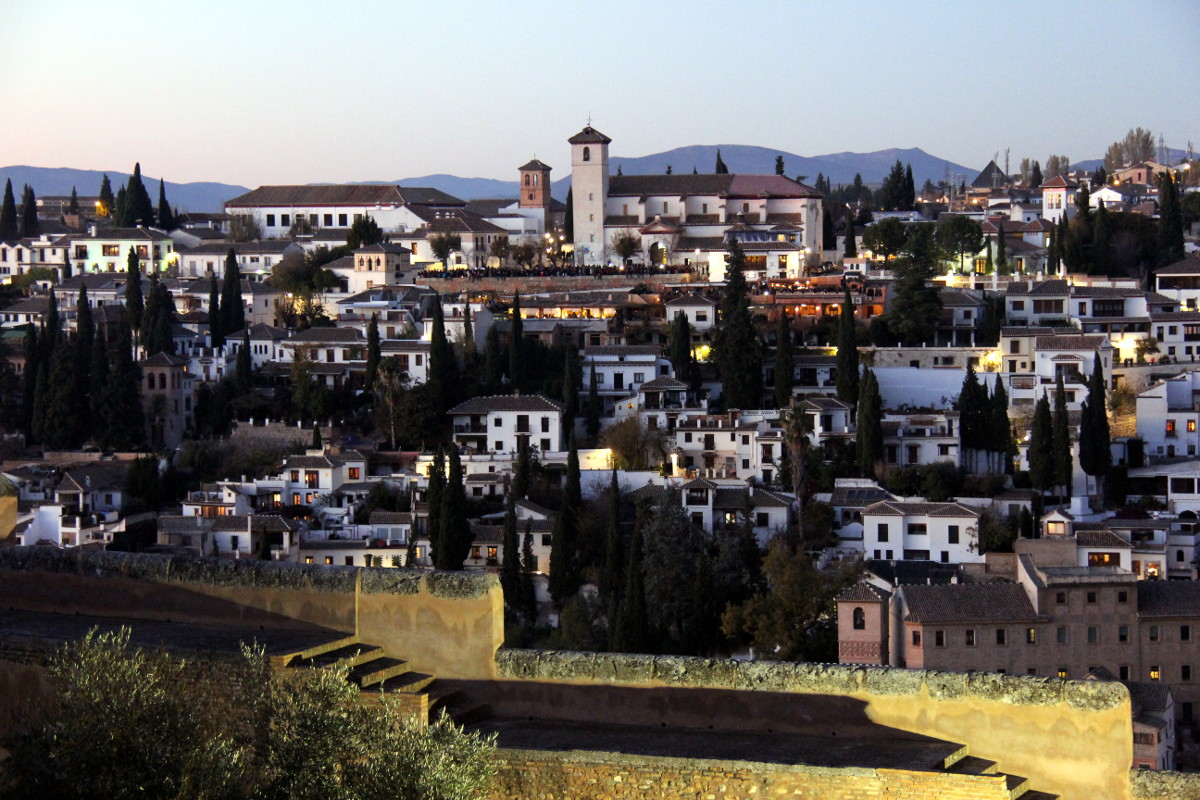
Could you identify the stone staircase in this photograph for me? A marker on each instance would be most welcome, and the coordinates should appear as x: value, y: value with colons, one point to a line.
x: 962, y: 763
x: 375, y: 673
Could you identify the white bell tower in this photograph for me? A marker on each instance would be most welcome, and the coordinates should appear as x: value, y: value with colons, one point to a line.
x: 589, y: 184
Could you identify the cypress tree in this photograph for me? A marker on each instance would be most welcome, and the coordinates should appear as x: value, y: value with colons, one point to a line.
x: 569, y: 216
x: 1101, y: 241
x: 61, y: 427
x: 433, y: 495
x: 123, y: 419
x: 631, y: 633
x: 8, y: 215
x: 493, y: 362
x: 593, y: 410
x: 316, y: 443
x: 521, y: 476
x: 910, y: 189
x: 85, y: 333
x: 1041, y: 446
x: 244, y: 366
x: 679, y: 348
x: 570, y: 391
x: 97, y: 376
x: 139, y: 210
x: 1000, y: 428
x: 785, y: 365
x: 73, y: 204
x: 974, y: 414
x: 373, y: 353
x: 454, y: 541
x: 611, y: 576
x: 738, y: 355
x: 779, y: 165
x: 41, y: 401
x: 216, y: 333
x: 443, y: 364
x: 29, y: 380
x: 1001, y: 251
x: 121, y: 208
x: 166, y: 218
x: 105, y: 198
x: 53, y: 323
x: 720, y: 168
x: 158, y: 321
x: 847, y: 353
x: 869, y: 434
x: 134, y: 304
x: 29, y: 216
x: 1061, y: 438
x: 564, y: 579
x: 516, y: 347
x: 528, y: 567
x: 233, y: 309
x: 1170, y: 225
x: 1095, y: 443
x: 510, y: 564
x: 851, y: 250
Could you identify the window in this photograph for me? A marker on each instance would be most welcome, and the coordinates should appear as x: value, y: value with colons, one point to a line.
x: 342, y: 222
x: 354, y: 473
x: 1123, y: 633
x: 970, y: 637
x: 1185, y: 672
x: 1001, y: 636
x: 587, y: 154
x: 308, y: 559
x: 1185, y: 633
x: 522, y: 423
x: 761, y: 520
x: 917, y: 529
x: 1031, y: 636
x: 1191, y: 426
x: 1061, y: 634
x: 952, y: 533
x: 328, y: 220
x: 108, y: 250
x: 1170, y: 427
x: 496, y: 422
x: 545, y: 424
x: 881, y: 532
x: 1155, y: 673
x: 1091, y: 597
x: 860, y: 619
x: 1062, y: 672
x: 350, y: 560
x: 545, y: 445
x: 285, y: 220
x: 1154, y: 633
x: 916, y: 638
x: 1122, y: 596
x: 329, y: 560
x: 1060, y: 598
x: 1093, y: 634
x: 499, y: 445
x: 939, y: 638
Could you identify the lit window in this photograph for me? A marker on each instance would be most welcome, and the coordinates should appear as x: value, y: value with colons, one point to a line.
x: 1062, y: 672
x: 1031, y: 635
x: 1154, y: 672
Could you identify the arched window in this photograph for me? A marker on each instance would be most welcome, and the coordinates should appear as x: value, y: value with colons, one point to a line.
x: 1179, y: 556
x: 860, y: 619
x: 162, y: 380
x: 535, y: 180
x: 527, y: 178
x: 587, y: 154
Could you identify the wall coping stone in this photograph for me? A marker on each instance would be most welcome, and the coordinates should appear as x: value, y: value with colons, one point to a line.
x: 248, y: 572
x: 786, y: 676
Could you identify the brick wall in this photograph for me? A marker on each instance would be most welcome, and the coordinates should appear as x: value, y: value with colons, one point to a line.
x: 534, y: 775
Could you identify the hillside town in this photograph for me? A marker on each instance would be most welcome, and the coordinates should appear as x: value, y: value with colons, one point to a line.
x: 949, y: 426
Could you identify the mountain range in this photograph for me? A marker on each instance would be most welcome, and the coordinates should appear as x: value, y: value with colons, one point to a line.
x: 839, y: 168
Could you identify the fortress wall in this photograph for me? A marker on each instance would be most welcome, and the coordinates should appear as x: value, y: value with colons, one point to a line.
x: 535, y: 775
x: 1071, y: 738
x: 448, y: 624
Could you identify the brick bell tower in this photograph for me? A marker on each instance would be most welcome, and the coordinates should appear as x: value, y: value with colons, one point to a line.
x: 534, y: 181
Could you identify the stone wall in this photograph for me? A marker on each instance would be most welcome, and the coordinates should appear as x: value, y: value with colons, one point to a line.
x: 1071, y: 738
x: 1150, y: 785
x: 446, y: 624
x: 535, y: 775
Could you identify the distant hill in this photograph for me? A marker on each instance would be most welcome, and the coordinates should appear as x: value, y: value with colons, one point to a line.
x: 58, y: 181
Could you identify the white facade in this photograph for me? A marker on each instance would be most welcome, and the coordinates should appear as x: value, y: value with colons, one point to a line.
x: 945, y: 532
x: 497, y: 424
x: 589, y: 185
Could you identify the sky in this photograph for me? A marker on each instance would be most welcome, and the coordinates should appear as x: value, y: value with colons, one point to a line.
x: 300, y: 92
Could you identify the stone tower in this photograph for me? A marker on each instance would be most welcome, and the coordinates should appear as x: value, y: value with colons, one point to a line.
x: 589, y: 185
x: 535, y: 192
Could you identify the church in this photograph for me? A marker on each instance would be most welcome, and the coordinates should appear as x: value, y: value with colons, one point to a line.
x: 689, y: 219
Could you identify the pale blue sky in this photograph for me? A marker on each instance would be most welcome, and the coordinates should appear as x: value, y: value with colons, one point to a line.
x: 296, y: 92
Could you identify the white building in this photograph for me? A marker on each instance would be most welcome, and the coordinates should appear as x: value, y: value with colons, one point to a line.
x: 254, y: 259
x: 496, y: 424
x: 1168, y: 415
x: 107, y: 249
x: 689, y: 218
x: 393, y: 208
x: 946, y: 532
x: 621, y: 369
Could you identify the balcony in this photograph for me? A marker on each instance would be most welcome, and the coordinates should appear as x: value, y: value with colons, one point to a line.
x: 472, y: 427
